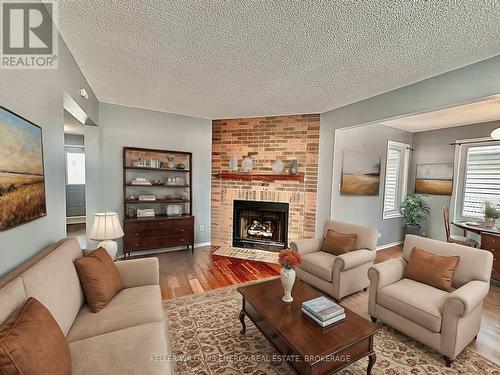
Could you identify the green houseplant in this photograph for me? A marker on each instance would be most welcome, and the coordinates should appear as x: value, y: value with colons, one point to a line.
x: 490, y: 214
x: 415, y: 210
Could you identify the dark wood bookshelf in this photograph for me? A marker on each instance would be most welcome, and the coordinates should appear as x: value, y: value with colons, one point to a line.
x: 161, y: 231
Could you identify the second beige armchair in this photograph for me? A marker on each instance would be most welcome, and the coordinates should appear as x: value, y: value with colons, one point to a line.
x: 340, y: 275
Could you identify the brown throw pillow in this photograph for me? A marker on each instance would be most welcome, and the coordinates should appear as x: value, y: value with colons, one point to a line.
x: 430, y: 269
x: 31, y: 342
x: 99, y: 277
x: 338, y: 243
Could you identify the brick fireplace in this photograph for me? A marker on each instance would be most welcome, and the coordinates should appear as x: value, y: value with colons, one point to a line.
x: 265, y: 139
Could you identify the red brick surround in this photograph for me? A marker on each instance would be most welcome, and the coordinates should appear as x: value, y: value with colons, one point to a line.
x: 266, y: 139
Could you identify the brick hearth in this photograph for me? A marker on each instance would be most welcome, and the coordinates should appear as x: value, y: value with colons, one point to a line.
x: 266, y: 139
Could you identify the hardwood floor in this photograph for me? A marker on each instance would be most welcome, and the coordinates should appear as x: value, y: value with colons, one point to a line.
x: 182, y: 273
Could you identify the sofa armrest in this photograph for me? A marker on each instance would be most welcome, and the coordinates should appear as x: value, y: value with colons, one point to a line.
x: 386, y: 273
x: 310, y: 245
x: 139, y: 272
x: 353, y: 259
x: 462, y: 301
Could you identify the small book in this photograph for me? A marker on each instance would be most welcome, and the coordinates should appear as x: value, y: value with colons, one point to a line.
x: 323, y: 308
x: 326, y: 323
x: 147, y: 197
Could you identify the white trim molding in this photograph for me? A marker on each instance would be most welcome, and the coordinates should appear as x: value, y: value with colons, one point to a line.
x: 386, y: 246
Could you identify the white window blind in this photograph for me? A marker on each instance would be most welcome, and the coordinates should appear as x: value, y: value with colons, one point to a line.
x: 482, y: 179
x: 396, y: 178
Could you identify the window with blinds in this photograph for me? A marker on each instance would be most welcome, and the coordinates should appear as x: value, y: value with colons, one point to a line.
x: 482, y: 179
x: 396, y: 178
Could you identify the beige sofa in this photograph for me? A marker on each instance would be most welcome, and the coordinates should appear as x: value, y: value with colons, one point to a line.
x: 445, y: 321
x: 126, y: 337
x: 342, y: 275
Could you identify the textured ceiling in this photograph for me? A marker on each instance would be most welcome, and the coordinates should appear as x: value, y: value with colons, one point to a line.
x: 473, y: 113
x: 223, y: 59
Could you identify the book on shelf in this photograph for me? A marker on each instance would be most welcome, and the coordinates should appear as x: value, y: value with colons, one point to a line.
x: 323, y: 308
x: 147, y: 197
x: 326, y: 323
x: 147, y: 212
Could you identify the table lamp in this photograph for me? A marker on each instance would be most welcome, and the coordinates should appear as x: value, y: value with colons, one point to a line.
x: 107, y: 228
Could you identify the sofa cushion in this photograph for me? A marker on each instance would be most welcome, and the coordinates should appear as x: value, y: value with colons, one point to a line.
x: 319, y: 264
x: 31, y: 342
x: 130, y: 307
x: 430, y: 269
x: 130, y: 351
x: 99, y: 277
x: 418, y: 302
x: 54, y: 282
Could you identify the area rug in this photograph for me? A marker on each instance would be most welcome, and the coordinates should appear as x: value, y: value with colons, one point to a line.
x: 204, y: 334
x: 248, y: 254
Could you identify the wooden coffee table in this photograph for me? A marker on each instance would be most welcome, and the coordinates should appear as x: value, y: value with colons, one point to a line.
x: 309, y: 348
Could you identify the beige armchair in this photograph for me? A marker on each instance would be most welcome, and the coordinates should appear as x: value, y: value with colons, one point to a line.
x: 339, y: 275
x: 445, y: 321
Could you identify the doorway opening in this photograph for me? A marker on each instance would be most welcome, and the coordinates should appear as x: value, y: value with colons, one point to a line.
x: 74, y: 151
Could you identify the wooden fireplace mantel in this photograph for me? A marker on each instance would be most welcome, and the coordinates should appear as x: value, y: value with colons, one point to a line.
x: 260, y: 176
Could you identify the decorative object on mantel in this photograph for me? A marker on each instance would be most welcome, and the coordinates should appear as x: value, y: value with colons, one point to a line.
x: 278, y: 167
x: 260, y: 176
x: 294, y: 167
x: 247, y: 164
x: 233, y: 163
x: 107, y: 228
x: 180, y: 166
x: 174, y: 210
x: 289, y: 260
x: 170, y: 164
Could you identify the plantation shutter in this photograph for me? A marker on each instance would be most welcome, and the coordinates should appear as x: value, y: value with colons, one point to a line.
x: 482, y: 179
x: 391, y: 199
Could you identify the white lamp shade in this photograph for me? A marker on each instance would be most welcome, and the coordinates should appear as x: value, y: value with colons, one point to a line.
x: 106, y: 227
x: 495, y: 134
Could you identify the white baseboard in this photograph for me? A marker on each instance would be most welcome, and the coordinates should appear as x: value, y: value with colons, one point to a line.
x: 386, y: 246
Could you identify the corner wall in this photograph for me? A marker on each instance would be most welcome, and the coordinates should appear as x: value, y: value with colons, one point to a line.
x: 37, y: 95
x: 367, y: 210
x: 434, y: 147
x: 122, y: 126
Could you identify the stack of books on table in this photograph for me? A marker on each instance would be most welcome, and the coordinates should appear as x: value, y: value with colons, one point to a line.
x: 141, y: 181
x: 323, y: 311
x: 148, y: 212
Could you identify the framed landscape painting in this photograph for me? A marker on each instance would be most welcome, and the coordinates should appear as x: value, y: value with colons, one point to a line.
x: 22, y: 183
x: 434, y: 179
x: 360, y: 173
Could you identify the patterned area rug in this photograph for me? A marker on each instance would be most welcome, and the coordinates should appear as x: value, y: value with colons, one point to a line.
x: 249, y: 254
x: 205, y: 339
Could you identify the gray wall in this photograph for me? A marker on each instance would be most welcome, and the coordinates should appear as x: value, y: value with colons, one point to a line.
x: 434, y: 147
x: 124, y: 126
x: 366, y: 210
x: 38, y: 96
x: 456, y: 87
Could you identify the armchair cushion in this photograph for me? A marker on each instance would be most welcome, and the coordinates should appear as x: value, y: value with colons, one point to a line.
x: 465, y: 299
x: 386, y: 273
x: 353, y: 259
x: 339, y: 243
x: 319, y: 264
x: 415, y: 301
x: 431, y: 269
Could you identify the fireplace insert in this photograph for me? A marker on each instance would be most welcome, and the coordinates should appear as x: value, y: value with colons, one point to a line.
x: 260, y: 225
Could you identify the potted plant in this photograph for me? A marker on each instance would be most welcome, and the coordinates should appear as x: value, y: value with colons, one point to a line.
x: 490, y: 214
x: 289, y: 260
x: 414, y: 209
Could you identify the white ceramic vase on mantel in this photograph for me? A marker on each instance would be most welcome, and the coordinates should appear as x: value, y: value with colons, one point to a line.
x: 287, y: 280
